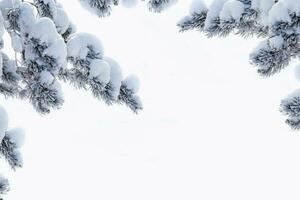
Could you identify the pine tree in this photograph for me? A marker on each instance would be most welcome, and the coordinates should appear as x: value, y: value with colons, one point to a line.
x: 45, y: 41
x: 278, y: 22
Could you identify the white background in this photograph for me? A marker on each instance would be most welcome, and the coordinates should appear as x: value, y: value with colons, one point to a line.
x: 210, y: 128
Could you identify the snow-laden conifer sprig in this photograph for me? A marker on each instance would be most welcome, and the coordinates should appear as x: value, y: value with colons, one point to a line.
x: 4, y: 186
x: 44, y: 55
x: 222, y: 17
x: 46, y: 8
x: 9, y: 151
x: 92, y: 71
x: 103, y: 8
x: 128, y: 90
x: 45, y: 41
x: 11, y: 140
x: 41, y: 33
x: 290, y: 107
x: 160, y: 5
x: 276, y: 21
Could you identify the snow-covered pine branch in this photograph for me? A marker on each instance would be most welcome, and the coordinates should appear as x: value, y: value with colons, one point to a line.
x: 160, y: 5
x: 45, y: 41
x: 4, y: 186
x: 91, y: 70
x: 222, y: 17
x: 10, y: 143
x: 103, y: 8
x: 278, y: 22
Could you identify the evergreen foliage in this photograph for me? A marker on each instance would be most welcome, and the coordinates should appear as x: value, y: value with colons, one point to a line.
x: 277, y: 22
x: 48, y: 52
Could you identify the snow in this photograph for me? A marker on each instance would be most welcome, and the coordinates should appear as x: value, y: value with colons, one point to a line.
x: 261, y: 46
x: 18, y: 156
x: 232, y: 9
x: 295, y: 93
x: 85, y: 4
x: 214, y: 11
x: 276, y: 42
x: 61, y: 20
x: 16, y: 136
x: 115, y: 76
x: 160, y: 5
x: 4, y: 184
x: 51, y: 4
x: 129, y: 3
x: 99, y: 69
x: 28, y: 16
x: 292, y: 6
x: 262, y: 5
x: 5, y: 5
x: 60, y: 17
x: 281, y: 10
x: 184, y: 19
x: 73, y: 27
x: 263, y: 19
x: 197, y: 7
x: 132, y: 82
x: 10, y: 64
x: 45, y: 30
x: 94, y: 10
x: 175, y: 139
x: 1, y: 66
x: 2, y: 28
x: 58, y: 49
x: 46, y: 77
x: 16, y: 42
x: 79, y: 42
x: 3, y: 122
x: 56, y: 86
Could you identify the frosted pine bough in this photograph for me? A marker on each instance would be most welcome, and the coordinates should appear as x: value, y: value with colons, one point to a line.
x: 277, y: 21
x: 45, y: 41
x: 103, y: 8
x: 10, y: 143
